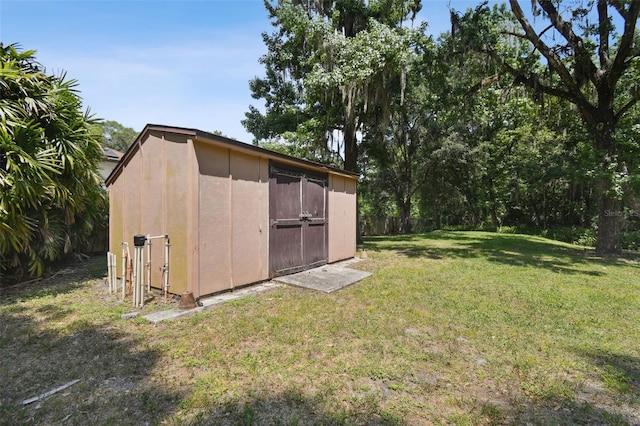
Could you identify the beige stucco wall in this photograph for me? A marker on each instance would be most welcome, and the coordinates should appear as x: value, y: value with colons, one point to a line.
x: 149, y: 197
x: 234, y: 218
x: 342, y: 217
x: 250, y: 213
x: 215, y: 216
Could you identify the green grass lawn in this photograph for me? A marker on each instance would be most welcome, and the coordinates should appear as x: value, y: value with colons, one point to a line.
x: 452, y: 328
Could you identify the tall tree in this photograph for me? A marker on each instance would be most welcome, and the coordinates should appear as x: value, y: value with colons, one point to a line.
x: 588, y: 63
x: 51, y: 200
x: 116, y: 135
x: 326, y: 68
x: 396, y: 141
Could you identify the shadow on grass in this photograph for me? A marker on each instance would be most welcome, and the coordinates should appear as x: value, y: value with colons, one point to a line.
x: 613, y: 403
x: 507, y: 249
x: 65, y: 280
x: 290, y: 408
x: 569, y: 413
x: 112, y: 368
x: 620, y: 373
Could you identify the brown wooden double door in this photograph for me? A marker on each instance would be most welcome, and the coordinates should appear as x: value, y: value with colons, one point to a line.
x: 298, y: 219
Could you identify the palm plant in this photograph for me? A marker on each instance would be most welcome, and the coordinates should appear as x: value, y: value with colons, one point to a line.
x: 50, y: 194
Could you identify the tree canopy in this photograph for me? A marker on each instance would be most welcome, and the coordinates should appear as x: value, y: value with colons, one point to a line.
x: 510, y: 119
x: 116, y: 135
x: 590, y: 62
x: 327, y: 67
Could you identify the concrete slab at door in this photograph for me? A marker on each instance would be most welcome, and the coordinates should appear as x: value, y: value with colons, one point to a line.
x: 326, y: 278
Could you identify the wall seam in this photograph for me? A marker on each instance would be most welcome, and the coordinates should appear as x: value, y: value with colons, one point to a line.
x: 230, y: 219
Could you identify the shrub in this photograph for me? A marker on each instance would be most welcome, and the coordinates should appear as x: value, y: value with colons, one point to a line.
x: 51, y: 199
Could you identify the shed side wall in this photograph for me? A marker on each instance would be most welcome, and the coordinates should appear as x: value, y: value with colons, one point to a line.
x: 342, y: 218
x: 250, y: 218
x: 132, y: 175
x: 149, y: 197
x: 152, y: 207
x: 215, y: 218
x: 234, y: 218
x: 175, y: 184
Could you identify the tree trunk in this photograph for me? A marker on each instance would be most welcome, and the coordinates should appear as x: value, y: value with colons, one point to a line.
x: 350, y: 148
x: 405, y: 216
x: 494, y: 216
x: 493, y: 208
x: 609, y: 204
x: 609, y: 218
x: 437, y: 222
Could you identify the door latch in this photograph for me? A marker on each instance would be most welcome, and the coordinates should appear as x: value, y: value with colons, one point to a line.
x: 305, y: 215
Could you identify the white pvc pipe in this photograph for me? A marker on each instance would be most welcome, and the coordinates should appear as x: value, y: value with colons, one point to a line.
x: 109, y: 271
x: 139, y: 266
x: 165, y: 268
x: 115, y: 273
x: 138, y: 280
x: 134, y: 283
x: 111, y: 276
x: 148, y: 265
x: 114, y: 276
x: 126, y: 255
x: 141, y: 280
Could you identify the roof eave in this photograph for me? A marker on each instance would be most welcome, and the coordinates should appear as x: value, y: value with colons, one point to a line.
x: 220, y: 139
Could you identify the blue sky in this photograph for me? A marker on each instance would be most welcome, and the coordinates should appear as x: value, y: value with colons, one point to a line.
x: 178, y: 63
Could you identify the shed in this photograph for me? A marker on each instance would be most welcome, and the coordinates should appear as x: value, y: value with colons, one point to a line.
x: 235, y: 213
